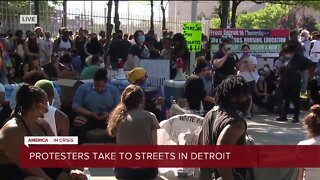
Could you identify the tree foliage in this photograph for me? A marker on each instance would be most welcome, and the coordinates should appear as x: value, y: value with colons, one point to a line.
x: 265, y: 18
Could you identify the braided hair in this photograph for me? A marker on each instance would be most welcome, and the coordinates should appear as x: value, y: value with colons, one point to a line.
x: 231, y: 86
x: 26, y: 97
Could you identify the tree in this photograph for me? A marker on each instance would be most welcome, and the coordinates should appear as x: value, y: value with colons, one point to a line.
x: 264, y: 18
x: 235, y: 4
x: 152, y: 16
x: 307, y: 22
x: 64, y: 5
x: 109, y: 25
x: 224, y: 12
x: 163, y: 10
x: 116, y: 16
x: 289, y: 21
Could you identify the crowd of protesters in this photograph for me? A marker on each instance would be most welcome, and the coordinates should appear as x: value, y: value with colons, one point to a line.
x: 233, y: 82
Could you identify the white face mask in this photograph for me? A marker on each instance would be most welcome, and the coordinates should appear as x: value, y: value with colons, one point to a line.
x: 302, y: 39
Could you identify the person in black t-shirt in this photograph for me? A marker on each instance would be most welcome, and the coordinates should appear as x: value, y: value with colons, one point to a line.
x: 118, y: 49
x: 224, y: 60
x: 294, y: 65
x: 314, y: 90
x: 195, y: 91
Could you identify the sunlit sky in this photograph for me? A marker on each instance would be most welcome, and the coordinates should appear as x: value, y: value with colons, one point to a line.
x: 135, y: 7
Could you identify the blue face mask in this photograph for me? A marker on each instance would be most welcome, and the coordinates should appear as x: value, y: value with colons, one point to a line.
x: 141, y: 38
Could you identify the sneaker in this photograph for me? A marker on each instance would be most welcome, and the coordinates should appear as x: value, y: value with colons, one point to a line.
x: 248, y: 116
x: 281, y: 119
x: 295, y: 120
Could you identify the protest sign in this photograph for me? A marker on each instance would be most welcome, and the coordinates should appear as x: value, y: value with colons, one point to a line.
x: 193, y: 35
x: 263, y: 42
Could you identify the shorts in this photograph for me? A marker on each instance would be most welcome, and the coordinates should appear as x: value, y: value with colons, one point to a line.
x: 251, y: 87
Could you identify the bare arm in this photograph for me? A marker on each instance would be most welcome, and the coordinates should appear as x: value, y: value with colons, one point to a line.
x: 154, y: 137
x: 13, y: 139
x: 84, y: 112
x: 62, y: 123
x: 229, y: 136
x: 25, y: 69
x: 209, y: 99
x: 218, y: 63
x: 300, y: 174
x: 129, y: 62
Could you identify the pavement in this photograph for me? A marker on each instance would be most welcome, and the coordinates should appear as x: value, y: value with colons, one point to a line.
x: 262, y: 128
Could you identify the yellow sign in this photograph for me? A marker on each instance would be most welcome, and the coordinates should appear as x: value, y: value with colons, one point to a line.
x: 192, y: 32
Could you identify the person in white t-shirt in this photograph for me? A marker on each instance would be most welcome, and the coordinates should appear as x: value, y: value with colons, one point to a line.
x: 312, y: 122
x: 48, y: 48
x: 40, y: 41
x: 247, y: 68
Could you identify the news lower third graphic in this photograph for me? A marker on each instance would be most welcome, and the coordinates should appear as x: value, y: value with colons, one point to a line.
x: 65, y: 152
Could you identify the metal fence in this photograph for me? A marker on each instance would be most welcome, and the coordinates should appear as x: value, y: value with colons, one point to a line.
x: 51, y: 20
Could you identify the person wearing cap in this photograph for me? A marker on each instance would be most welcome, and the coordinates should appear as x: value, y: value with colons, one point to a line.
x: 58, y: 121
x: 93, y: 101
x: 295, y: 63
x: 138, y: 76
x: 63, y: 43
x: 224, y: 60
x: 195, y: 91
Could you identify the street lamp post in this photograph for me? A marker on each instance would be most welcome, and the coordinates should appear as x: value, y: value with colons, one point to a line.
x: 193, y: 19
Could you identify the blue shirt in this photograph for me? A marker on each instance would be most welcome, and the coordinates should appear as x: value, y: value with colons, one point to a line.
x: 93, y: 101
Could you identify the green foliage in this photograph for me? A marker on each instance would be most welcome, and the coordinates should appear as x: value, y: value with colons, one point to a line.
x: 264, y: 18
x: 318, y: 25
x: 215, y: 22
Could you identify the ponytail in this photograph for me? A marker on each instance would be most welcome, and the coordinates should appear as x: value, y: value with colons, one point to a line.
x: 118, y: 114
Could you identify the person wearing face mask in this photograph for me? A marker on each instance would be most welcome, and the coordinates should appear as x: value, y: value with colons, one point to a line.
x: 306, y: 44
x: 118, y: 49
x: 291, y: 81
x: 224, y: 60
x: 314, y: 90
x: 93, y: 47
x: 246, y: 67
x: 137, y: 51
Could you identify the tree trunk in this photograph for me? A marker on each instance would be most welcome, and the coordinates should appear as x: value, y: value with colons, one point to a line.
x: 151, y: 17
x: 109, y: 25
x: 235, y: 4
x: 116, y: 16
x: 163, y: 9
x: 64, y: 20
x: 224, y: 13
x: 37, y: 10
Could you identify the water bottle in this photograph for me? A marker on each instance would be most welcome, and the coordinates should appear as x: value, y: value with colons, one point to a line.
x: 87, y: 173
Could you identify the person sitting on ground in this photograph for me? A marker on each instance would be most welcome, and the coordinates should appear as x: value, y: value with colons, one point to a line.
x: 58, y: 121
x: 195, y: 91
x: 52, y: 68
x: 93, y: 103
x: 138, y: 76
x: 32, y: 65
x: 312, y: 123
x: 90, y: 71
x: 31, y: 78
x: 66, y: 68
x: 27, y: 120
x: 125, y: 121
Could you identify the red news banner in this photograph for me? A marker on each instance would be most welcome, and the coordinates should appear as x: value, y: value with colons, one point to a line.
x: 168, y: 156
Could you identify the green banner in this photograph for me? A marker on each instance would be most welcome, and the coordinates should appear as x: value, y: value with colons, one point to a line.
x: 253, y: 47
x: 192, y: 32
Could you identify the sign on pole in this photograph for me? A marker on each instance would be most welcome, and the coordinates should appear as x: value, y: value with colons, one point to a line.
x: 28, y: 19
x: 193, y: 35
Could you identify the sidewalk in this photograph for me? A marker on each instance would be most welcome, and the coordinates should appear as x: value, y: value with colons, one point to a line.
x: 263, y: 128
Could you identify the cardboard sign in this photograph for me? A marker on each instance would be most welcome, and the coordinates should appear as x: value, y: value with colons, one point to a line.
x: 28, y: 19
x: 158, y: 70
x: 193, y: 35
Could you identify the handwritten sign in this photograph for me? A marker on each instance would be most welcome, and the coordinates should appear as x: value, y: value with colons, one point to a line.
x: 28, y: 19
x: 193, y: 35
